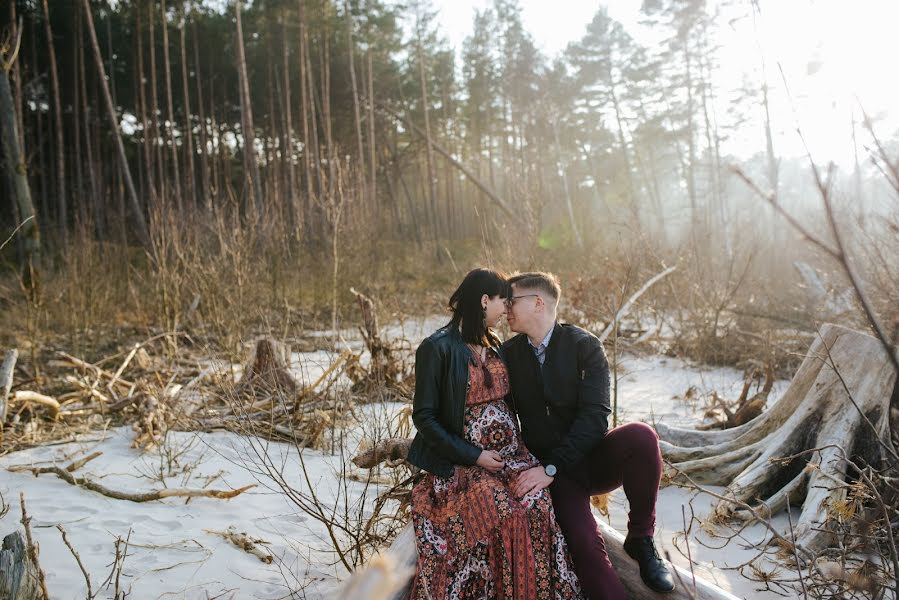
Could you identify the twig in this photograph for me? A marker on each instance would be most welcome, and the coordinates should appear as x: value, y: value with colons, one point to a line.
x: 122, y: 565
x: 33, y: 549
x: 795, y: 554
x: 243, y: 541
x: 16, y: 230
x: 683, y: 513
x: 74, y: 552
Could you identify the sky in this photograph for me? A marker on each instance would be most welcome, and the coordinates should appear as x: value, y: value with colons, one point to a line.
x: 836, y: 55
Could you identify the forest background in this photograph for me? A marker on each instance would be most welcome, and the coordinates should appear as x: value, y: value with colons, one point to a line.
x: 223, y: 169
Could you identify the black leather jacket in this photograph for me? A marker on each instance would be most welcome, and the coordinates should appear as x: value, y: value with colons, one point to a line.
x: 438, y: 408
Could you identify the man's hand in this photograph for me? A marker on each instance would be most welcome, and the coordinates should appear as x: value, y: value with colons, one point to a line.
x: 491, y: 460
x: 530, y: 481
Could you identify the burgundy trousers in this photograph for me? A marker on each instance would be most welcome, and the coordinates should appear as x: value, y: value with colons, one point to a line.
x: 627, y: 456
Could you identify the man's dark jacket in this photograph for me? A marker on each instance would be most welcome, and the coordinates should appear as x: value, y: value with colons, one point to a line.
x: 563, y: 406
x: 438, y: 408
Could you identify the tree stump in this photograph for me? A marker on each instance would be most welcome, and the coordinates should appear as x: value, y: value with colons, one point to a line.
x: 266, y: 372
x: 18, y: 575
x: 836, y: 408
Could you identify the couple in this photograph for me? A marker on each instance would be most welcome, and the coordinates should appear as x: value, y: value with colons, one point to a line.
x: 498, y: 510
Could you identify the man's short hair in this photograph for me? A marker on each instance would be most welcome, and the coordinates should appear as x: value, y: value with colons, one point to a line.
x: 539, y: 281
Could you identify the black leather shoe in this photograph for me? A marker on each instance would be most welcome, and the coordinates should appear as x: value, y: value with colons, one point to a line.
x: 653, y: 571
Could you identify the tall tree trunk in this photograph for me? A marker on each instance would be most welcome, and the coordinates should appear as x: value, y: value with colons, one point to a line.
x: 287, y: 144
x: 315, y: 114
x: 154, y: 105
x: 691, y: 139
x: 42, y: 169
x: 431, y: 176
x: 190, y: 190
x: 78, y: 191
x: 372, y: 148
x: 61, y: 208
x: 170, y: 128
x: 568, y: 204
x: 304, y: 110
x: 769, y: 138
x: 16, y: 73
x: 246, y: 113
x: 205, y: 192
x: 149, y: 174
x: 17, y: 173
x: 625, y: 152
x: 357, y: 117
x: 140, y: 223
x: 92, y: 178
x: 325, y: 61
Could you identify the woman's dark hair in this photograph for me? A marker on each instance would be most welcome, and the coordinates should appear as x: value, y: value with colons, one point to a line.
x: 466, y: 304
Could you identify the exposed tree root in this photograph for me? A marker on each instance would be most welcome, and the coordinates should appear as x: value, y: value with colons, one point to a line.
x: 835, y: 410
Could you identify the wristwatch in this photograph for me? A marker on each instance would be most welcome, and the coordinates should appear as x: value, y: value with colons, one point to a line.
x: 550, y: 470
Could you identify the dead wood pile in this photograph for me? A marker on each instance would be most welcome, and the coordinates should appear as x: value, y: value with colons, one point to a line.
x: 153, y: 391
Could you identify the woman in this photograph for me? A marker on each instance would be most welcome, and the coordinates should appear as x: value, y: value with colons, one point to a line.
x: 476, y: 539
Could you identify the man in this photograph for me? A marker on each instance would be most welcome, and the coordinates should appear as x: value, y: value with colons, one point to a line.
x: 560, y: 390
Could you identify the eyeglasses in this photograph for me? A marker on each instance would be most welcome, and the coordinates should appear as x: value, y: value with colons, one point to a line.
x: 511, y: 301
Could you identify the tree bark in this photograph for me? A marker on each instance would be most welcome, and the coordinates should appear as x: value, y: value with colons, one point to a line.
x: 140, y: 224
x: 304, y: 108
x: 61, y: 206
x: 188, y: 126
x: 287, y: 144
x: 373, y: 156
x: 170, y: 127
x: 205, y: 190
x: 154, y: 106
x: 246, y: 113
x: 18, y: 573
x: 432, y: 180
x: 357, y: 117
x: 17, y: 173
x: 142, y: 107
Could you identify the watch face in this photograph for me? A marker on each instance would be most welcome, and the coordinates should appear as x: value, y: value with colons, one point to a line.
x: 550, y: 470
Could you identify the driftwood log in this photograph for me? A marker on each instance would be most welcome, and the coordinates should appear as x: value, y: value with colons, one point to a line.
x: 388, y: 576
x: 835, y: 409
x: 18, y: 574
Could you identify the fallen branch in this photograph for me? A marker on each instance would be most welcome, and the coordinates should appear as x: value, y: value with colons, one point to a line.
x: 34, y: 397
x: 84, y: 482
x: 630, y: 301
x: 243, y: 541
x: 449, y: 157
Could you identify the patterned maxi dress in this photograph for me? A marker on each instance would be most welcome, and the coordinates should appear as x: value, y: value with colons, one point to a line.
x: 475, y: 539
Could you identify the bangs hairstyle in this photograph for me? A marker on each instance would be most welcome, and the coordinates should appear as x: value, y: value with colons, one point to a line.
x: 466, y: 304
x: 538, y: 281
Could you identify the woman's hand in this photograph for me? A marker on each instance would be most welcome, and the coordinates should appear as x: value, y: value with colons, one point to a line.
x: 491, y: 460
